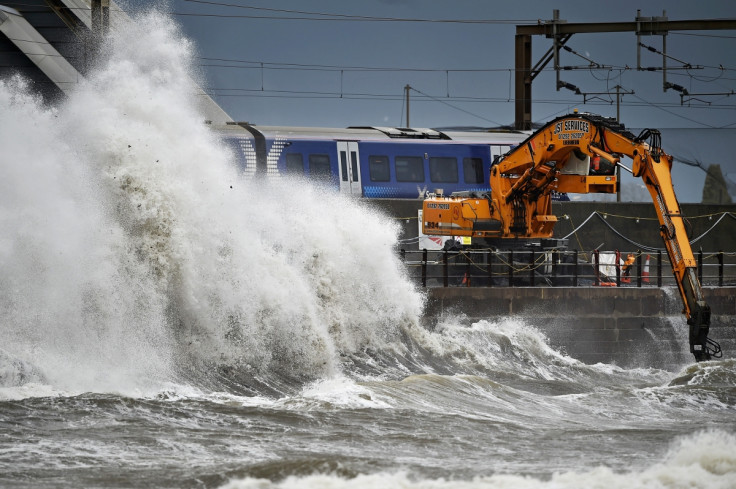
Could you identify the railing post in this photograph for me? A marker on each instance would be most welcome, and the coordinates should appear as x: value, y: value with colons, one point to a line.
x: 618, y: 268
x: 596, y: 255
x: 659, y: 268
x: 555, y: 261
x: 720, y: 268
x: 575, y: 268
x: 511, y: 268
x: 700, y: 265
x: 531, y: 268
x: 638, y: 268
x: 424, y: 268
x: 445, y: 268
x: 467, y: 268
x: 490, y: 268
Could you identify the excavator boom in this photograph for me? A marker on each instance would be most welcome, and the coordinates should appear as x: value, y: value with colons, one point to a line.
x: 576, y: 153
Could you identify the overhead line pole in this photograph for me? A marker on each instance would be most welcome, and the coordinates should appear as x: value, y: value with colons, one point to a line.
x: 559, y: 29
x: 618, y: 119
x: 407, y: 88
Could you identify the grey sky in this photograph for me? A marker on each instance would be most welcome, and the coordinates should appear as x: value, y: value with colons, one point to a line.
x: 314, y: 74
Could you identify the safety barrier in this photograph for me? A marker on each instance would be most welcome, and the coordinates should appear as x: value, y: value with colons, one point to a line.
x: 515, y: 268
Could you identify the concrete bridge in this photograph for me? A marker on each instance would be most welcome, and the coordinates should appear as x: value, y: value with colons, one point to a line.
x: 53, y: 44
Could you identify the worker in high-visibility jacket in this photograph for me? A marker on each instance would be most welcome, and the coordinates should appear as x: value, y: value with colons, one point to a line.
x: 627, y: 266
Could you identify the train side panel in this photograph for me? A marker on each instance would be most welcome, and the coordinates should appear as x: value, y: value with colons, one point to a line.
x: 408, y: 170
x: 371, y: 166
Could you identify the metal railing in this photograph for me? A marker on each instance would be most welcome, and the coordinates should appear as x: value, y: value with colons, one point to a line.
x: 526, y: 268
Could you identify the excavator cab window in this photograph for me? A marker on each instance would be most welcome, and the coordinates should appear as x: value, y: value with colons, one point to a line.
x: 600, y: 166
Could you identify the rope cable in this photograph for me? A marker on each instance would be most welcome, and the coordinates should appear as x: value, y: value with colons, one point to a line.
x: 641, y: 246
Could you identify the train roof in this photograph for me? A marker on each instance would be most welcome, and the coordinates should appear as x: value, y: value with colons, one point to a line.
x: 372, y: 133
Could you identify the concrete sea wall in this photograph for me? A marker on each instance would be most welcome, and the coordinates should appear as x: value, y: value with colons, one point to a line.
x: 630, y: 327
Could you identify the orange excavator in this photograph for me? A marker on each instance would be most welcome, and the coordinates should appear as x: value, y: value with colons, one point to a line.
x: 576, y: 153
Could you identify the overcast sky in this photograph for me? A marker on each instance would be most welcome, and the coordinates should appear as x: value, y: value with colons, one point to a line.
x: 269, y: 62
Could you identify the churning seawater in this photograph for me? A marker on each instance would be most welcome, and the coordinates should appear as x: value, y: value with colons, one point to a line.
x: 166, y: 323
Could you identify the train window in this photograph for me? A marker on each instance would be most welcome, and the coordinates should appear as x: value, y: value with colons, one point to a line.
x: 354, y: 164
x: 473, y: 170
x: 319, y: 166
x: 295, y: 163
x: 443, y: 169
x: 409, y: 168
x: 344, y: 165
x: 378, y: 168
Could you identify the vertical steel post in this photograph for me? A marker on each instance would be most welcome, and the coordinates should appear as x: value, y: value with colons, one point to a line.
x: 490, y: 268
x: 445, y: 268
x: 523, y: 81
x: 407, y: 88
x: 596, y: 255
x: 467, y: 268
x: 511, y: 268
x: 531, y: 268
x: 424, y: 268
x: 618, y: 167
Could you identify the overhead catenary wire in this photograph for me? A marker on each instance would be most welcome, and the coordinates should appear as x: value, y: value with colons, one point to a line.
x: 241, y: 92
x: 336, y: 67
x: 326, y: 16
x: 229, y: 63
x: 249, y: 92
x: 661, y: 107
x: 455, y: 107
x: 248, y: 64
x: 718, y: 36
x: 263, y: 65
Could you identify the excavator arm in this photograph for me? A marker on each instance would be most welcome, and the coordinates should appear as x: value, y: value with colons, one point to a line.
x: 654, y: 167
x: 576, y: 153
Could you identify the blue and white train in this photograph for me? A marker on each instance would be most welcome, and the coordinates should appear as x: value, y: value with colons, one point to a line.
x: 372, y: 162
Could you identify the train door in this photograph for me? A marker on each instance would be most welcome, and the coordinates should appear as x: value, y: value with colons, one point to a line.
x: 497, y: 151
x: 349, y: 167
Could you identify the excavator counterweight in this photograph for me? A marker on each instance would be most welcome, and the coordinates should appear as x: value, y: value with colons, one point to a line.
x: 576, y: 153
